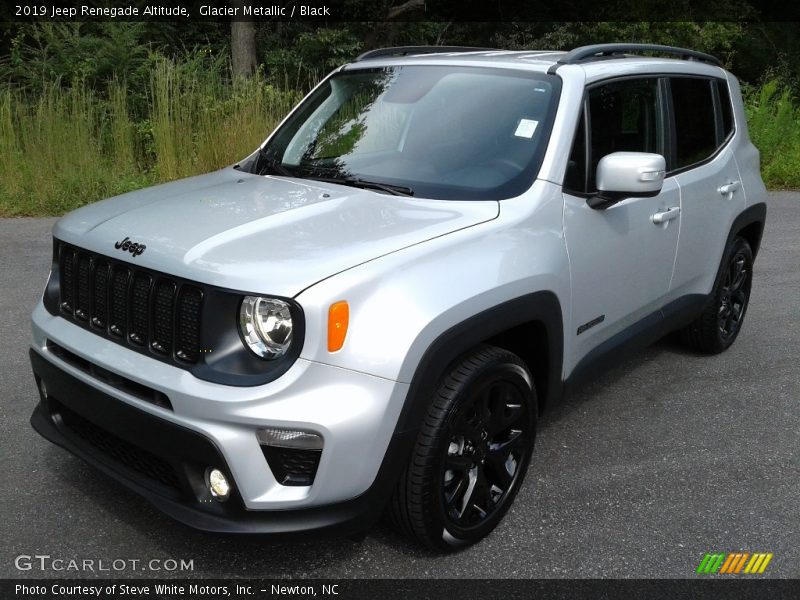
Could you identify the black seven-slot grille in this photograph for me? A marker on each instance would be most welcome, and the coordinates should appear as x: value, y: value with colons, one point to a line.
x: 133, y: 306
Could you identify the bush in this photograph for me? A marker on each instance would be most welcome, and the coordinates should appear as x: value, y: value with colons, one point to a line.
x: 774, y: 120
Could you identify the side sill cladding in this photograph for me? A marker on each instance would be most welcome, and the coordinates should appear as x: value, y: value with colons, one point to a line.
x: 540, y: 307
x: 624, y: 345
x: 671, y: 317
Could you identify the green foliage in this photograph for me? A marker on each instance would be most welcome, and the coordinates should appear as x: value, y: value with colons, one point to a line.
x: 309, y: 56
x: 54, y: 151
x: 93, y: 55
x: 772, y: 48
x: 200, y: 121
x: 773, y: 116
x: 89, y: 110
x: 73, y: 53
x: 66, y: 147
x: 718, y: 38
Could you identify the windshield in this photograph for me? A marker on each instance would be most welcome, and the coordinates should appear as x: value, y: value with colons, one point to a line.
x: 437, y: 132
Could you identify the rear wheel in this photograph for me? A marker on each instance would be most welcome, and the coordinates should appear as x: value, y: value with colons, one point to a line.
x: 720, y: 322
x: 471, y: 454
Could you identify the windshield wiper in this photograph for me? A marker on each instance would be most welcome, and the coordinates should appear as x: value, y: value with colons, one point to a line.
x: 389, y: 188
x: 274, y: 164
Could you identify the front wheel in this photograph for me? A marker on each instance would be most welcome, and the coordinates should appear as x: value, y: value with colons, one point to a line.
x: 471, y: 454
x: 720, y: 322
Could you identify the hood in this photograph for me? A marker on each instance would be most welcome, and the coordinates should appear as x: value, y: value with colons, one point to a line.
x: 262, y: 234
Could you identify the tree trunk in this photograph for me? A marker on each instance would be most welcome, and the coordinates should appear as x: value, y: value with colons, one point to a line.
x: 383, y: 33
x: 243, y: 45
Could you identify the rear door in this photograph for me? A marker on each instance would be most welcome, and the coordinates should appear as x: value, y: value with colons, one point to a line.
x: 702, y: 162
x: 620, y: 261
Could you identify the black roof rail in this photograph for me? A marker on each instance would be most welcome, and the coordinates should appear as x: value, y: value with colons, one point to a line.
x: 406, y: 50
x: 597, y: 51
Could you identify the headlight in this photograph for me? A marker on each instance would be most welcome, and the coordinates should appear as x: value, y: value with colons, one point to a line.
x: 266, y: 326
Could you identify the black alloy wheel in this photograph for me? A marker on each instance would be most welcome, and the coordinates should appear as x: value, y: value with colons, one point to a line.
x: 721, y: 320
x: 488, y: 442
x: 735, y: 294
x: 471, y: 453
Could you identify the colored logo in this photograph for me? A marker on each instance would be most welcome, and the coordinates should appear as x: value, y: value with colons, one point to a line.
x: 734, y: 563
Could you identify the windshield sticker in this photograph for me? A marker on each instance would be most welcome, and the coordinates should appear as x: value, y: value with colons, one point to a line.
x: 526, y: 128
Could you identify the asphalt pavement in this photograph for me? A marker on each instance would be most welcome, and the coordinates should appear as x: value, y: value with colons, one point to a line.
x: 667, y: 457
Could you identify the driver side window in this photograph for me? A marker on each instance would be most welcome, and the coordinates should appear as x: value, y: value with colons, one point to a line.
x: 618, y: 116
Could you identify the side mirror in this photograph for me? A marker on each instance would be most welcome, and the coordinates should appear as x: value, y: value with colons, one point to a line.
x: 623, y: 175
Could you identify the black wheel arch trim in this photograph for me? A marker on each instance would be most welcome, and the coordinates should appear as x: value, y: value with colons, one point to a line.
x: 752, y: 215
x: 755, y: 214
x: 540, y: 307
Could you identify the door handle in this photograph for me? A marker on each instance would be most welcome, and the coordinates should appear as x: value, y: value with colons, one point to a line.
x: 667, y: 215
x: 729, y: 188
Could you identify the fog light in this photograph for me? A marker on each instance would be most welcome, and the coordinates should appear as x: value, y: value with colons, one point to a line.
x: 43, y: 389
x: 217, y: 484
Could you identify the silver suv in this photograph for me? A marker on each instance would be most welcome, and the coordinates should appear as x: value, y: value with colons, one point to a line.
x: 367, y: 315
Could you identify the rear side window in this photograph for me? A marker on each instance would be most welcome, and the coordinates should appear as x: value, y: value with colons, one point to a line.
x: 695, y: 122
x: 726, y: 109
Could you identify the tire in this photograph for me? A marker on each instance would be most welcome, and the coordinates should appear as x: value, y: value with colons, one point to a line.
x: 721, y: 320
x: 471, y: 454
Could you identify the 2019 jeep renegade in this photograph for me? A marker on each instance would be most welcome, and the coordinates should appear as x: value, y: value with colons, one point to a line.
x: 368, y: 314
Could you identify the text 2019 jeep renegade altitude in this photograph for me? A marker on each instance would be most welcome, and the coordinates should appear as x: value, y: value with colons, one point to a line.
x: 368, y: 313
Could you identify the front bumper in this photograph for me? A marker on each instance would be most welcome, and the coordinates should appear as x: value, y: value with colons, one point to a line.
x: 164, y: 462
x: 203, y: 424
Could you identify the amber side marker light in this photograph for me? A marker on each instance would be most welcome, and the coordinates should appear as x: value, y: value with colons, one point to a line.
x: 338, y: 318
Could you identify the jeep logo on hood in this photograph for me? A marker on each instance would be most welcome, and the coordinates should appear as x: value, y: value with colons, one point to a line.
x: 133, y: 248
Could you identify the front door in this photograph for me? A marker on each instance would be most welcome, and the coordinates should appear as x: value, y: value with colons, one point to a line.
x: 621, y: 261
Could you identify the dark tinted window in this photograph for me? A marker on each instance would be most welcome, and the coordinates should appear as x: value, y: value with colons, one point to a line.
x: 695, y: 132
x: 726, y: 109
x: 624, y: 116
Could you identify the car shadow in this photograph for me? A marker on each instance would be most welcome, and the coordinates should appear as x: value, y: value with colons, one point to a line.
x: 668, y: 345
x: 152, y: 534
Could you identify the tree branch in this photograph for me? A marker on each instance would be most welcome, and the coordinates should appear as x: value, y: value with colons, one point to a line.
x: 397, y: 11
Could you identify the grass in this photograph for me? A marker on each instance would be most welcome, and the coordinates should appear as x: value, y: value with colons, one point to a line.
x: 67, y: 147
x: 51, y: 153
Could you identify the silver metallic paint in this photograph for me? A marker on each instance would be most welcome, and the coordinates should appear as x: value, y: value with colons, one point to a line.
x: 631, y: 172
x: 410, y: 268
x: 270, y: 235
